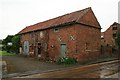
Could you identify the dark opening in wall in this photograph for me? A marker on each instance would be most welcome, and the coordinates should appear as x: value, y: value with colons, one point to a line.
x: 114, y: 35
x: 114, y: 28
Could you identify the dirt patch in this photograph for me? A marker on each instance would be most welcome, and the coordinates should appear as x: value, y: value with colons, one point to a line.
x: 19, y: 64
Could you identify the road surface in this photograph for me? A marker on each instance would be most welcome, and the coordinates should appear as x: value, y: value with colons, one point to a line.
x: 100, y: 70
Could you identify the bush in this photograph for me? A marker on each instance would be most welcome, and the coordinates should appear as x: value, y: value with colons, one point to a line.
x: 66, y: 60
x: 16, y: 44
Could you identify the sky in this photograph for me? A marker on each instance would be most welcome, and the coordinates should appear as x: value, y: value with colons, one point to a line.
x: 17, y: 14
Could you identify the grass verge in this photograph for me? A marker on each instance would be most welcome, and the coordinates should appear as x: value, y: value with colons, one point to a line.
x: 4, y: 53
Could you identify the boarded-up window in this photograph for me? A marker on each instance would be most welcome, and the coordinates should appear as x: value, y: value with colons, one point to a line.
x: 41, y: 34
x: 45, y: 46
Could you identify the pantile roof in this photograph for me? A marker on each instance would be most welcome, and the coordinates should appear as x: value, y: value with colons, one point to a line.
x: 70, y: 17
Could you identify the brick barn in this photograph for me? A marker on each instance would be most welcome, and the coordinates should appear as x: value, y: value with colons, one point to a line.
x: 76, y: 34
x: 108, y: 37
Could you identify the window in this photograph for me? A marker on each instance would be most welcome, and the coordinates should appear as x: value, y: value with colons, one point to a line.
x: 114, y: 28
x: 45, y: 46
x: 56, y: 29
x: 114, y: 35
x: 41, y: 34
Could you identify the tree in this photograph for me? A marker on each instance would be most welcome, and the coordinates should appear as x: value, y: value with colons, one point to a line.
x: 118, y: 42
x: 1, y: 45
x: 118, y: 38
x: 5, y: 42
x: 7, y: 39
x: 16, y: 44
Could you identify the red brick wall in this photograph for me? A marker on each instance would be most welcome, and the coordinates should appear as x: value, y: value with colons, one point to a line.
x: 26, y: 37
x: 34, y: 40
x: 64, y: 33
x: 108, y: 36
x: 90, y: 19
x: 85, y: 43
x: 88, y: 41
x: 44, y: 38
x: 82, y: 35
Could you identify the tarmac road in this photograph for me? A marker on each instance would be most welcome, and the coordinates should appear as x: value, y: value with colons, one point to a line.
x: 100, y: 70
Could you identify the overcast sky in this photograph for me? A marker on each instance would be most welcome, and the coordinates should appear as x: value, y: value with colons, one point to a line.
x: 17, y: 14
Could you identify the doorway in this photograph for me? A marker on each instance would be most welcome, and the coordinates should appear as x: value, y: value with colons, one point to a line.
x: 26, y: 48
x: 63, y: 49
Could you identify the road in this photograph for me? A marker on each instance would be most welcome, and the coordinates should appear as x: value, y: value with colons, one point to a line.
x: 100, y: 70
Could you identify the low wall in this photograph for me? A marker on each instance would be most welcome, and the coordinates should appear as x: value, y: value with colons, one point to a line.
x: 88, y: 55
x: 3, y: 70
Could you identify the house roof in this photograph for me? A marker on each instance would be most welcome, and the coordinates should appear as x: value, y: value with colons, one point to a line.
x: 70, y: 17
x: 115, y: 23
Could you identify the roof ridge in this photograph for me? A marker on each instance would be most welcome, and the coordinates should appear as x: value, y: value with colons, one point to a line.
x: 115, y: 23
x: 62, y: 16
x: 72, y: 16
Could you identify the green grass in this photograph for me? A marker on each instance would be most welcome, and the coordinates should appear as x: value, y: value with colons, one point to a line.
x: 4, y: 53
